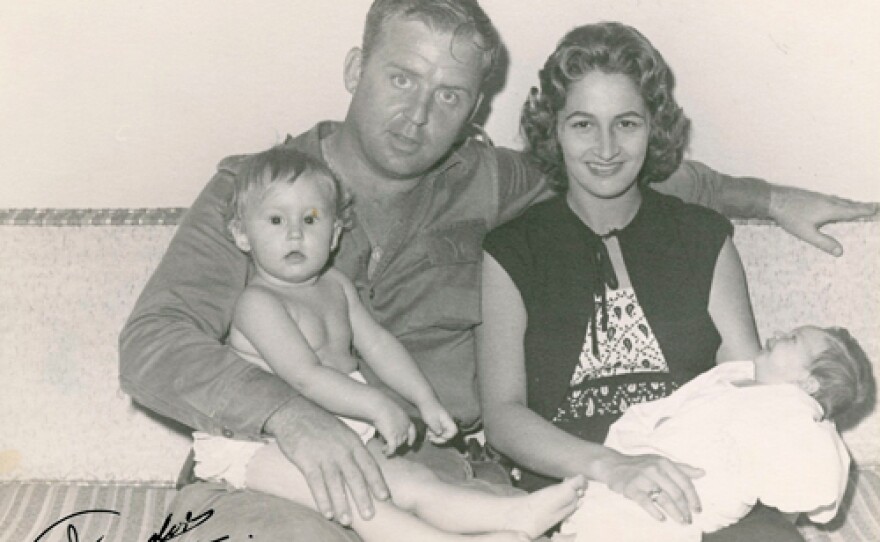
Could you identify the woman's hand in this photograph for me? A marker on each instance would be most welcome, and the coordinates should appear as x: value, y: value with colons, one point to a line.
x: 660, y: 486
x: 441, y: 426
x: 393, y: 423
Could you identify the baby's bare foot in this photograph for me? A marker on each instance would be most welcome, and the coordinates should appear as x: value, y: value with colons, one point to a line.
x: 535, y: 513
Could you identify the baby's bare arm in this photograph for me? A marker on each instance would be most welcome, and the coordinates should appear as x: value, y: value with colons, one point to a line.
x: 383, y: 352
x: 392, y: 363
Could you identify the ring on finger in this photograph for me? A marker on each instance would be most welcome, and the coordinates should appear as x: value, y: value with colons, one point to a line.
x: 655, y: 493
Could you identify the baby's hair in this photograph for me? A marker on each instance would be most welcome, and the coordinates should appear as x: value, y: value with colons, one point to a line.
x: 843, y: 372
x: 283, y: 164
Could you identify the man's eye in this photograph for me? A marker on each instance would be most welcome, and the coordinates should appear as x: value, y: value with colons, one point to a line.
x: 401, y: 81
x: 447, y: 97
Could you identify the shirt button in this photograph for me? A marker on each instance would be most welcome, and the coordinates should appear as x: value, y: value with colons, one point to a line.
x: 227, y: 433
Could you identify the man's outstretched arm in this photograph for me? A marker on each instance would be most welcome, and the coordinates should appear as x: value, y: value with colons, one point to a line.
x: 800, y: 212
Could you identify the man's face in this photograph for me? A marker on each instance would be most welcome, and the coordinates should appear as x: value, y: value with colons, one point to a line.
x: 411, y: 97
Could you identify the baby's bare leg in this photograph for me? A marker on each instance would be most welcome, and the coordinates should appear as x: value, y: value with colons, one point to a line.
x: 269, y: 471
x: 463, y: 509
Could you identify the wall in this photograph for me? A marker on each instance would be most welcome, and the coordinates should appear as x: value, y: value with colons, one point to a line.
x: 131, y: 103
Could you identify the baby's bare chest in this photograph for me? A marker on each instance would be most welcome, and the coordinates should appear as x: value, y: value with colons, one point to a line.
x: 322, y: 317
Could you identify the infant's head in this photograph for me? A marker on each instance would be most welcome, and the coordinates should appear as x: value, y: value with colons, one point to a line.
x: 827, y: 363
x: 287, y: 212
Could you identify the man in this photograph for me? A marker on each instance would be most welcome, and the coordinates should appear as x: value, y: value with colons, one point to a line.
x: 424, y: 198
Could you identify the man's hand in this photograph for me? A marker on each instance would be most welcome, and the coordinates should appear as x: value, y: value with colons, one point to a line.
x: 330, y: 456
x: 801, y: 213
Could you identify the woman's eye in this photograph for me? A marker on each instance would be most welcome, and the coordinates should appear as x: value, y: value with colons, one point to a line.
x: 401, y: 81
x: 581, y: 124
x: 447, y: 97
x: 629, y: 124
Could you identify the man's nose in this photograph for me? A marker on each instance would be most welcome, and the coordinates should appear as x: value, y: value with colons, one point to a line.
x: 419, y: 107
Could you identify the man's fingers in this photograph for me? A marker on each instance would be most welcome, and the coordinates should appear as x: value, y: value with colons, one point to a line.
x: 336, y: 489
x: 372, y: 474
x: 315, y: 480
x: 825, y: 243
x: 851, y: 210
x: 360, y: 493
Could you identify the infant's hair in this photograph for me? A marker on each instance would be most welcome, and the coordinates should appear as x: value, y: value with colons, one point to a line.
x: 843, y: 372
x: 283, y: 164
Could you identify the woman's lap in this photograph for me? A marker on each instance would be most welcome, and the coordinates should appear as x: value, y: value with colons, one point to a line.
x: 761, y: 524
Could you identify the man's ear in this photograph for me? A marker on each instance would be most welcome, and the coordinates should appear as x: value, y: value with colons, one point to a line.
x: 337, y: 231
x: 351, y: 72
x: 241, y: 240
x: 810, y: 385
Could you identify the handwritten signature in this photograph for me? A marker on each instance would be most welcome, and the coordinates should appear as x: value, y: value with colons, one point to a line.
x: 167, y: 532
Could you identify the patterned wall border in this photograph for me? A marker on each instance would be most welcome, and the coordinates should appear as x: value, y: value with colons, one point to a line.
x: 91, y: 217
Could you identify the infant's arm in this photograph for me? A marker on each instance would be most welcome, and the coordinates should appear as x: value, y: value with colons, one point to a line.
x: 391, y: 362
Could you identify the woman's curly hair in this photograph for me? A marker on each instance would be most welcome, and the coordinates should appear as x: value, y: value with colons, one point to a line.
x: 612, y: 48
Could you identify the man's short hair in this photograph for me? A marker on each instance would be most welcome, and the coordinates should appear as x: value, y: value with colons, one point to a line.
x: 843, y: 372
x: 464, y: 19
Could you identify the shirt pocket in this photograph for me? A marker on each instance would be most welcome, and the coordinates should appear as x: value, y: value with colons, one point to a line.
x: 451, y: 276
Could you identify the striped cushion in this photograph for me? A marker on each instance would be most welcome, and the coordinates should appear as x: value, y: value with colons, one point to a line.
x: 128, y: 513
x: 859, y: 517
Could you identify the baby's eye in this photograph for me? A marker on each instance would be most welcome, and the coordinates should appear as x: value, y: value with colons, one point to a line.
x: 311, y: 217
x: 275, y: 220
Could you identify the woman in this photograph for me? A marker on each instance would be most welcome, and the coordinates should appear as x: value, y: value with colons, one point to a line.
x: 609, y: 293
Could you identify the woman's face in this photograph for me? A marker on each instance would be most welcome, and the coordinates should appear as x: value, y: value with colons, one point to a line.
x: 603, y: 132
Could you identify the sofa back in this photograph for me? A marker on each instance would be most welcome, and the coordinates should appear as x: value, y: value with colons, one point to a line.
x: 70, y: 278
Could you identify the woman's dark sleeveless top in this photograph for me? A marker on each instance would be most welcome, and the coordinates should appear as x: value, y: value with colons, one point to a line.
x: 670, y: 249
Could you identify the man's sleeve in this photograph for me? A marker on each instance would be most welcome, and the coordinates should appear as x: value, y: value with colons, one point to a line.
x: 734, y: 197
x: 519, y: 184
x: 172, y: 358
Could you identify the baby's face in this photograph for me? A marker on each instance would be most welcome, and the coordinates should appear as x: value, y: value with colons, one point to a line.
x: 292, y: 230
x: 786, y: 358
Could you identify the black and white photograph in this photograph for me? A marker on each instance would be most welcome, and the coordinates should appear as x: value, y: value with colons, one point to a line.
x: 439, y: 270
